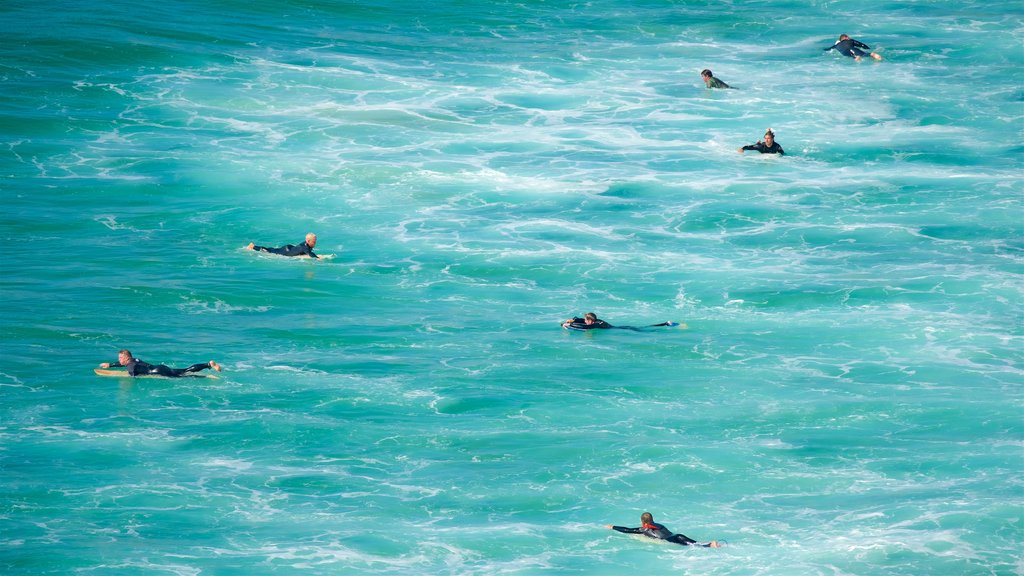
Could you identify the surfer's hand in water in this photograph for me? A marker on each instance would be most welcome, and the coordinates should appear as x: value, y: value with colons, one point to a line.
x: 105, y: 365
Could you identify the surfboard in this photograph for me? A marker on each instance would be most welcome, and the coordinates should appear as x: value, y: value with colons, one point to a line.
x: 649, y: 540
x: 301, y: 257
x: 642, y: 538
x: 124, y: 374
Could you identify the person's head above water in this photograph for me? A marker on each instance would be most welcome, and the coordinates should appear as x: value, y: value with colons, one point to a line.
x: 124, y: 356
x: 590, y: 317
x: 769, y: 136
x: 311, y: 240
x: 844, y: 37
x: 706, y: 73
x: 647, y: 519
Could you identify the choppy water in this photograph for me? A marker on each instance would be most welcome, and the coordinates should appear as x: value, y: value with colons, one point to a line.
x: 846, y: 397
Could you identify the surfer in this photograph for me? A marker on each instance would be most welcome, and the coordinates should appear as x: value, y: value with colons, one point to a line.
x: 711, y: 81
x: 304, y: 249
x: 652, y: 529
x: 137, y: 367
x: 849, y: 47
x: 768, y: 146
x: 590, y: 321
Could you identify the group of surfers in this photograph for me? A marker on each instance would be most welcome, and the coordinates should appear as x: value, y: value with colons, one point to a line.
x: 845, y: 45
x: 648, y: 527
x: 135, y: 367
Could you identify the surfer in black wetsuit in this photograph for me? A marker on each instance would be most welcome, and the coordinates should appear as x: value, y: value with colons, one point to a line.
x: 652, y: 529
x: 849, y: 47
x: 768, y: 146
x: 590, y: 321
x: 710, y: 81
x: 304, y: 249
x: 137, y: 367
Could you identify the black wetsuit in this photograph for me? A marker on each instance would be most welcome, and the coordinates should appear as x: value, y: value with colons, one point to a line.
x: 581, y: 324
x: 766, y: 149
x: 849, y: 47
x: 659, y: 532
x: 137, y: 367
x: 289, y: 250
x: 716, y: 83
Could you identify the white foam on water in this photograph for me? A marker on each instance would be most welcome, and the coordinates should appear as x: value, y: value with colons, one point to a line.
x: 842, y: 402
x: 233, y: 465
x: 192, y: 306
x: 145, y: 435
x: 147, y: 565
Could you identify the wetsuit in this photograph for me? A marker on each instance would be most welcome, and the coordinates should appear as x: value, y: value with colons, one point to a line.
x: 659, y: 532
x: 716, y: 83
x: 766, y: 149
x: 289, y: 250
x: 849, y: 47
x: 581, y: 324
x: 137, y: 367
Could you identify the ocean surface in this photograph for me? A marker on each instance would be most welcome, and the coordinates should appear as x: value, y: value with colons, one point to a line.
x: 846, y: 396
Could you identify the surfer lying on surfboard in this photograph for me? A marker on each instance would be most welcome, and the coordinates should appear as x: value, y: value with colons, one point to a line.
x: 137, y: 367
x: 590, y: 321
x: 304, y: 249
x: 652, y: 529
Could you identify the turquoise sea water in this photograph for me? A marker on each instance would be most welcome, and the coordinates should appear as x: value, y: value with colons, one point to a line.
x: 846, y: 397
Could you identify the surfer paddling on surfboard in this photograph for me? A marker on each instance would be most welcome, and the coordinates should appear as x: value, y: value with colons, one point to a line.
x: 849, y: 47
x: 652, y: 529
x: 590, y: 321
x: 137, y: 367
x: 304, y: 249
x: 768, y: 146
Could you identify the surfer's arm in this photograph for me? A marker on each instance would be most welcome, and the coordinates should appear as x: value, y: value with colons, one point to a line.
x: 626, y: 530
x: 832, y: 47
x: 860, y: 44
x: 111, y: 365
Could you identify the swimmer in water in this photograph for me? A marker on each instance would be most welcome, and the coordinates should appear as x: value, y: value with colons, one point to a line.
x: 652, y: 529
x: 590, y: 321
x: 304, y: 249
x: 710, y: 81
x: 768, y: 146
x: 137, y: 367
x: 849, y: 47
